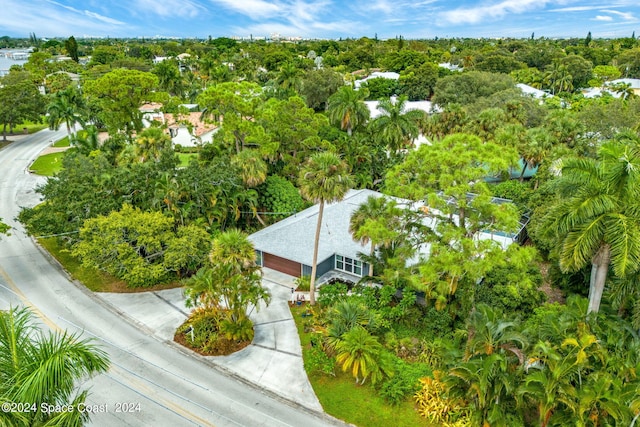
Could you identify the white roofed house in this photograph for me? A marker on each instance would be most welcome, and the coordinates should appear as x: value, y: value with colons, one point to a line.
x: 532, y: 91
x: 377, y: 75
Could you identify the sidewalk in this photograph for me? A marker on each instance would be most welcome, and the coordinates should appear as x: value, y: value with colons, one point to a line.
x: 274, y: 358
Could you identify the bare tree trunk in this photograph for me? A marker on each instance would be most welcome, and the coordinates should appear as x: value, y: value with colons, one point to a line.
x: 373, y: 252
x: 601, y: 261
x: 592, y: 279
x: 523, y: 171
x: 314, y: 265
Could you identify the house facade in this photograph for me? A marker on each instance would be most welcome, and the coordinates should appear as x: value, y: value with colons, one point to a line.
x: 287, y: 246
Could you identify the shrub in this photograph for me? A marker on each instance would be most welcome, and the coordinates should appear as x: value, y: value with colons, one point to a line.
x: 303, y: 283
x: 213, y: 333
x: 318, y: 361
x: 433, y: 404
x: 518, y: 192
x: 238, y: 330
x: 437, y: 322
x: 502, y: 290
x: 329, y: 294
x: 279, y: 196
x: 405, y: 382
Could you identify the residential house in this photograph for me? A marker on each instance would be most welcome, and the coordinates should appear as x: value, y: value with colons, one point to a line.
x: 287, y: 246
x: 532, y: 91
x: 187, y: 130
x: 376, y: 75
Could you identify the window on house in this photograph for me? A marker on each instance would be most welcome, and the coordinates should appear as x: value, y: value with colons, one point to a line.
x: 349, y: 265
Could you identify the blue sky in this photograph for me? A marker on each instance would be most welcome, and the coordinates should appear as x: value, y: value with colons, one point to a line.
x: 320, y: 18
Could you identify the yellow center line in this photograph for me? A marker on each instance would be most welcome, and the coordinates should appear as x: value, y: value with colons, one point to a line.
x: 136, y: 384
x: 14, y: 288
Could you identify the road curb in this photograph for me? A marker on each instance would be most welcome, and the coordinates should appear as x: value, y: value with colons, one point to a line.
x: 186, y: 351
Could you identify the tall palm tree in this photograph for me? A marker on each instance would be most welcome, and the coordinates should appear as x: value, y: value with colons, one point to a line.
x: 396, y: 128
x: 66, y: 107
x: 324, y: 178
x: 347, y: 108
x: 558, y: 78
x: 598, y: 217
x: 37, y: 369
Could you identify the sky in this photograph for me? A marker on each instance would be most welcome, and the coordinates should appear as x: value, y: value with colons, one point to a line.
x: 330, y: 19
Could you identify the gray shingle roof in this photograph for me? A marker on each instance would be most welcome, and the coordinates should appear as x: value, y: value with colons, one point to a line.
x: 293, y: 237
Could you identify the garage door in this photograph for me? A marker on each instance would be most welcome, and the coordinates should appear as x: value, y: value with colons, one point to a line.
x: 281, y: 264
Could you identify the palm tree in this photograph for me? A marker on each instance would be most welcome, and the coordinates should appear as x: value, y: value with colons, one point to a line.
x: 359, y: 351
x: 324, y: 178
x: 598, y: 217
x: 551, y: 384
x: 37, y: 369
x: 490, y: 332
x: 346, y: 315
x: 558, y: 78
x: 290, y: 77
x: 150, y: 143
x: 66, y: 107
x: 365, y: 227
x: 396, y: 128
x: 87, y: 143
x: 232, y: 280
x: 486, y: 383
x: 253, y: 169
x: 347, y: 108
x: 624, y: 90
x: 535, y: 147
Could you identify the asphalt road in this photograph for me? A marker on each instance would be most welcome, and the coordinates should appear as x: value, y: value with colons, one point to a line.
x: 150, y: 382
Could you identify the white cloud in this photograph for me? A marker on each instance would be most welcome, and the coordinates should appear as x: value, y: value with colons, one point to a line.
x: 576, y: 8
x: 603, y: 18
x: 255, y: 9
x: 627, y: 16
x: 51, y: 19
x: 474, y: 15
x: 168, y: 8
x: 105, y: 19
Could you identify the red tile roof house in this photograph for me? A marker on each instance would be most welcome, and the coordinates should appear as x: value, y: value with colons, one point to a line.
x: 187, y: 130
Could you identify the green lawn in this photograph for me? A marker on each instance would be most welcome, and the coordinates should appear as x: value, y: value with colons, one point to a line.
x: 185, y: 158
x: 48, y: 164
x: 31, y: 127
x: 96, y: 281
x: 64, y: 142
x: 356, y: 404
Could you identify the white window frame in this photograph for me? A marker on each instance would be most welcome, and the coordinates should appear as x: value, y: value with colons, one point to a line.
x: 343, y: 263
